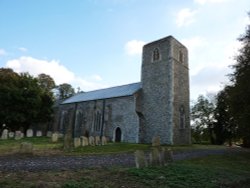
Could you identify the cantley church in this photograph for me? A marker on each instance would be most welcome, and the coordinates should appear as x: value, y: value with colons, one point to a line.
x: 137, y: 112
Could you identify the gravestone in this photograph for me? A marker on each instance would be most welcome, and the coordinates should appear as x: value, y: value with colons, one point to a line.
x: 18, y: 135
x: 85, y: 141
x: 156, y: 141
x: 97, y: 141
x: 11, y: 134
x: 166, y: 156
x: 54, y: 137
x: 26, y: 148
x: 39, y: 133
x: 4, y: 134
x: 104, y: 140
x: 91, y: 141
x: 29, y: 133
x: 154, y: 157
x: 77, y: 142
x: 60, y: 135
x: 22, y: 135
x: 49, y: 134
x: 140, y: 160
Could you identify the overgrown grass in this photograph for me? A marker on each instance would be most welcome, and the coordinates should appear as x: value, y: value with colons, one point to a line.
x: 230, y: 170
x: 43, y: 145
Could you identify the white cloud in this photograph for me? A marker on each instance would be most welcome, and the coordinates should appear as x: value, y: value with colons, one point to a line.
x: 134, y: 47
x: 53, y: 68
x: 2, y: 52
x: 96, y: 77
x: 22, y: 49
x: 185, y: 17
x: 202, y: 2
x: 193, y: 43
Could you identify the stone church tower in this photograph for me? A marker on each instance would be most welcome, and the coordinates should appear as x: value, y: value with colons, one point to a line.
x: 164, y: 103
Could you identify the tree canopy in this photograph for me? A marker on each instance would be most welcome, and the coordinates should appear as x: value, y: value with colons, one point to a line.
x: 23, y: 100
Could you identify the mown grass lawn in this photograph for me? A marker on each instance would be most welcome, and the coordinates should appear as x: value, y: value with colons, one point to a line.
x: 229, y: 170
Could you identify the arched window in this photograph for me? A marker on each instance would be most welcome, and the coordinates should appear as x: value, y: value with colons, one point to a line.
x: 78, y: 124
x: 156, y: 54
x: 63, y: 122
x: 182, y: 117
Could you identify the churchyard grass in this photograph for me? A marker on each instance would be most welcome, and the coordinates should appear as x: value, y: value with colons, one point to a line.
x: 229, y: 170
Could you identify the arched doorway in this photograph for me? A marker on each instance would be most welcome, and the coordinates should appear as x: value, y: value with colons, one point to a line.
x: 118, y: 134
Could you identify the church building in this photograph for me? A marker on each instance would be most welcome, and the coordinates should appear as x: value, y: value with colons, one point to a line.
x: 137, y: 112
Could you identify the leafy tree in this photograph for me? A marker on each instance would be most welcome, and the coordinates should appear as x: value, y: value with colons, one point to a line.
x: 65, y: 91
x: 22, y: 101
x: 202, y: 116
x: 224, y: 127
x: 46, y: 82
x: 240, y: 89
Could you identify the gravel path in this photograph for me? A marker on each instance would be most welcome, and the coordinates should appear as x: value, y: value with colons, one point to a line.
x: 44, y: 163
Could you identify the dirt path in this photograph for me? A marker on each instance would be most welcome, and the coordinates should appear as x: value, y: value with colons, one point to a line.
x: 15, y: 163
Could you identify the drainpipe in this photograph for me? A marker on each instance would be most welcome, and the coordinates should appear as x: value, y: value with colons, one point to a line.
x: 74, y: 120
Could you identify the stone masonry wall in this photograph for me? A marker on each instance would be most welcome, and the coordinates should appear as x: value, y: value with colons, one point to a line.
x: 118, y: 112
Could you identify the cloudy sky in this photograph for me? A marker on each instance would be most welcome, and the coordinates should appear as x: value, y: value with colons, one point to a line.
x: 93, y: 44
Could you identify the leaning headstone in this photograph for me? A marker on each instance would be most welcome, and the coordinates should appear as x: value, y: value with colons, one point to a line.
x: 156, y: 141
x: 22, y: 135
x: 97, y: 141
x: 38, y: 133
x: 154, y: 157
x: 4, y: 134
x: 104, y: 140
x: 91, y: 141
x: 77, y: 142
x: 18, y: 135
x: 60, y: 135
x: 26, y: 148
x: 140, y: 160
x: 11, y: 134
x: 166, y: 156
x: 54, y: 137
x: 49, y: 134
x: 85, y: 141
x: 29, y: 133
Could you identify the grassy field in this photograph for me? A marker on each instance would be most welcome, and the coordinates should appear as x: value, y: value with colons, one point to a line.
x: 229, y: 170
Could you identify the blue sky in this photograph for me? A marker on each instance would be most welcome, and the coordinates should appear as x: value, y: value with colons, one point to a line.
x: 94, y: 44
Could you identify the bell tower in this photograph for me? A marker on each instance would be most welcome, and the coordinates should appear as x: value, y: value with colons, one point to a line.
x: 165, y: 92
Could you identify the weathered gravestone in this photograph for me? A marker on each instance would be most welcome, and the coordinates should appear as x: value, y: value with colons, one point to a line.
x: 11, y: 134
x: 77, y: 142
x: 140, y: 160
x: 18, y: 135
x: 4, y: 134
x: 54, y: 137
x: 166, y: 156
x: 154, y: 157
x: 26, y: 148
x: 49, y: 134
x: 39, y: 133
x: 91, y: 141
x: 97, y: 141
x: 29, y: 133
x: 104, y: 140
x: 85, y: 141
x: 156, y: 141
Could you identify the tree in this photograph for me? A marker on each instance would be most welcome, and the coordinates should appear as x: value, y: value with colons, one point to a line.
x: 22, y: 101
x: 224, y: 127
x: 46, y: 82
x: 65, y: 91
x: 202, y: 116
x: 240, y: 89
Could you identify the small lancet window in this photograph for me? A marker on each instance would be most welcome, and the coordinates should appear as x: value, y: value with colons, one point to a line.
x: 182, y: 117
x: 156, y: 54
x: 181, y: 57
